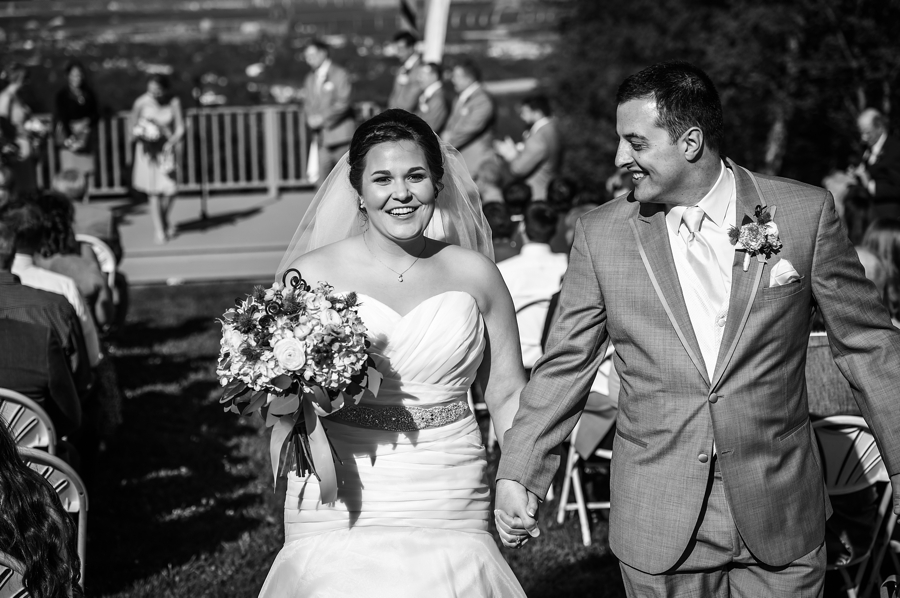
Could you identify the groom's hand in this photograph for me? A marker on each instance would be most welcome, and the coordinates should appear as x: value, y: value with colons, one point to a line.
x: 515, y: 513
x: 895, y: 485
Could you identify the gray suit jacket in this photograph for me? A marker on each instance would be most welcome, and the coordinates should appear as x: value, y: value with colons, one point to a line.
x: 434, y: 110
x: 622, y: 286
x: 539, y: 161
x: 332, y: 102
x: 406, y: 90
x: 470, y: 129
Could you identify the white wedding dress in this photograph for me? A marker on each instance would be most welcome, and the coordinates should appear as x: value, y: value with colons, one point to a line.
x: 411, y: 519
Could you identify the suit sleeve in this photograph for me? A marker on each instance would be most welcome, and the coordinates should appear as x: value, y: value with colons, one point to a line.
x: 339, y: 108
x: 531, y: 156
x: 438, y: 112
x: 864, y: 343
x: 551, y: 403
x: 63, y: 395
x: 473, y: 124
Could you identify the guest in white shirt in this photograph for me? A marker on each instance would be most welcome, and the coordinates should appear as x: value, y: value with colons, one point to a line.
x: 28, y: 238
x: 533, y: 277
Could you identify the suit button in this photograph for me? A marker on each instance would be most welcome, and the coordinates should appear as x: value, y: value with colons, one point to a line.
x: 713, y: 398
x: 703, y: 457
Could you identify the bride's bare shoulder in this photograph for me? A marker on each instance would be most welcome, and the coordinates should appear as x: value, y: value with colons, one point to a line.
x: 321, y: 264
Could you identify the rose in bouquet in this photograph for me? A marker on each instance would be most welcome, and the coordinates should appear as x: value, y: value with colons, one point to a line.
x: 295, y: 353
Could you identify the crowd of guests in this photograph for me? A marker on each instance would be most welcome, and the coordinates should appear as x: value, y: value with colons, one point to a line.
x: 56, y: 304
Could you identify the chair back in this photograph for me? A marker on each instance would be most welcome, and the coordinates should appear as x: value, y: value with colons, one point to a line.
x: 104, y: 254
x: 11, y: 583
x: 850, y: 458
x: 68, y: 486
x: 28, y: 423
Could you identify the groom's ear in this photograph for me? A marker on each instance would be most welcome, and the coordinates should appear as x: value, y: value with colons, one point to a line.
x: 692, y: 143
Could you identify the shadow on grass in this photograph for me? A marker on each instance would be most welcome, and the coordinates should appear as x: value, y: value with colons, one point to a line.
x: 173, y: 483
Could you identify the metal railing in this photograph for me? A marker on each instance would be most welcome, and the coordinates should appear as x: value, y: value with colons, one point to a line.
x: 240, y: 148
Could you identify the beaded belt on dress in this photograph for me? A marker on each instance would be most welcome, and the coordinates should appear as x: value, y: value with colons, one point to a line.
x: 400, y: 418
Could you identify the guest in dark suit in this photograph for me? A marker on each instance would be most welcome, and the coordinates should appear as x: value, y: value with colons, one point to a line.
x: 470, y: 126
x: 33, y: 363
x: 406, y: 90
x: 33, y: 306
x: 432, y: 105
x: 879, y: 170
x: 538, y: 158
x: 329, y: 114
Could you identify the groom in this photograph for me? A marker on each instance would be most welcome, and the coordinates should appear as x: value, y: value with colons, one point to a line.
x: 716, y: 477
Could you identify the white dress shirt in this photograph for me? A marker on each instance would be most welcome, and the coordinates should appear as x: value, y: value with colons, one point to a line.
x: 719, y: 205
x: 533, y: 275
x: 45, y: 280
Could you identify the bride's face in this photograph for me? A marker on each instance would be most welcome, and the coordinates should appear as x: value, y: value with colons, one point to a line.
x: 397, y: 190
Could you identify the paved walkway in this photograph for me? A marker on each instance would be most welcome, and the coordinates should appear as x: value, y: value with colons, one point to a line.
x: 243, y: 237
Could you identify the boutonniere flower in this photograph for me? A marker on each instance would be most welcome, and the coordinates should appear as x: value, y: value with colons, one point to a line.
x: 758, y: 238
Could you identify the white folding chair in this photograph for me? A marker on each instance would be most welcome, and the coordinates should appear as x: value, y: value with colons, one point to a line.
x: 10, y: 581
x: 851, y: 462
x: 105, y: 256
x: 27, y: 421
x: 572, y: 483
x: 69, y: 487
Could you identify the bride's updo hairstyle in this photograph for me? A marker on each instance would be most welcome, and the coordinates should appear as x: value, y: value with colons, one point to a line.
x: 391, y: 126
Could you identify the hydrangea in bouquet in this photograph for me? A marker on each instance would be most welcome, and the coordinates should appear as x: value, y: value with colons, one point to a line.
x: 296, y: 353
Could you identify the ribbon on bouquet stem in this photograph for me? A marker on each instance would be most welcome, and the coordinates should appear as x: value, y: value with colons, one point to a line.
x: 308, y: 441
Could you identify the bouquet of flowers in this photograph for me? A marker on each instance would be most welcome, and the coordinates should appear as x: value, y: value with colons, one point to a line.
x: 146, y: 130
x: 295, y: 353
x: 36, y: 129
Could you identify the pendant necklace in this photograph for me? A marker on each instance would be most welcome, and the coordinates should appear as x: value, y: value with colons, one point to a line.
x: 399, y: 274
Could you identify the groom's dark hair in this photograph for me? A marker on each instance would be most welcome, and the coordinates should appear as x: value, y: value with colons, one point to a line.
x: 685, y: 97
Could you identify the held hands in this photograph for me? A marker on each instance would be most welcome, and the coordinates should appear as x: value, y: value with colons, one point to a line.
x: 516, y: 513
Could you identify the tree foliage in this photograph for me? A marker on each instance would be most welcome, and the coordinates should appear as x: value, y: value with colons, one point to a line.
x: 792, y: 74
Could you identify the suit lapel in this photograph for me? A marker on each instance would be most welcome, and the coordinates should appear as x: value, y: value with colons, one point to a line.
x: 652, y: 239
x: 744, y: 285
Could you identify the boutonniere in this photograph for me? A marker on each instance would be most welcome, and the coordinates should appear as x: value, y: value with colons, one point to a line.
x: 758, y: 238
x: 328, y: 86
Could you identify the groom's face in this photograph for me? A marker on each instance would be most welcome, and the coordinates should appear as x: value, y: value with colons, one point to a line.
x: 657, y: 166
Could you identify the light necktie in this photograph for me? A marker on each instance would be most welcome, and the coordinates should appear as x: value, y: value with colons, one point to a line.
x: 702, y: 258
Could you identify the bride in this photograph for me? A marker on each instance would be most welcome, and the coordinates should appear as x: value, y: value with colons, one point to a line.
x: 398, y: 221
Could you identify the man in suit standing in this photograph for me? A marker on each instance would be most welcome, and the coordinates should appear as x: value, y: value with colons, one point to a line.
x: 716, y: 476
x: 406, y: 90
x: 470, y: 126
x: 879, y: 171
x: 538, y: 158
x: 432, y: 106
x: 329, y: 114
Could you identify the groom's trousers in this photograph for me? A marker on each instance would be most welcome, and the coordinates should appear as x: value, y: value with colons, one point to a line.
x: 717, y: 563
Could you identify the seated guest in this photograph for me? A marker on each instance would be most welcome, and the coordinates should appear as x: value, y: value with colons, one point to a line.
x: 25, y: 215
x: 883, y: 239
x: 33, y: 363
x: 38, y: 541
x: 534, y: 276
x: 560, y: 193
x: 516, y: 196
x: 90, y: 219
x: 60, y: 253
x: 51, y: 310
x: 502, y: 230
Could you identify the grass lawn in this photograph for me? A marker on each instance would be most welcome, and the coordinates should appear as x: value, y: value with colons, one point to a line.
x: 183, y: 503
